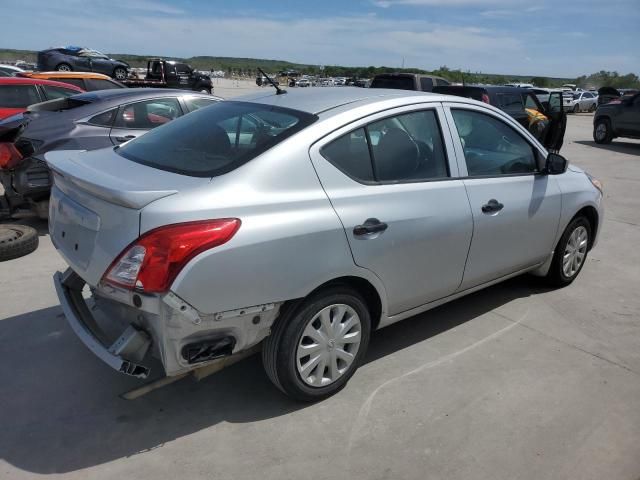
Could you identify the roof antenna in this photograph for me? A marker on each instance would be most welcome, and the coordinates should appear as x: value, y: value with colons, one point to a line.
x: 279, y: 91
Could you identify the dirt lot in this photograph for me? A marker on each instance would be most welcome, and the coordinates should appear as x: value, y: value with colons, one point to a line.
x: 514, y: 382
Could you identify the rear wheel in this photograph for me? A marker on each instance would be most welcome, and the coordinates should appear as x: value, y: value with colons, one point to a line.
x: 120, y: 73
x: 17, y: 241
x: 64, y: 67
x: 317, y: 346
x: 602, y: 131
x: 205, y: 90
x: 571, y: 253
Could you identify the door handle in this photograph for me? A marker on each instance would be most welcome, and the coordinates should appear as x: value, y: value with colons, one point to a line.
x: 492, y: 206
x: 371, y: 225
x: 125, y: 138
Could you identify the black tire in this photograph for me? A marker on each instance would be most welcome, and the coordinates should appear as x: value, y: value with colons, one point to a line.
x: 279, y: 348
x: 592, y: 108
x: 556, y: 276
x: 576, y: 108
x: 64, y: 67
x: 608, y: 134
x: 17, y: 241
x: 120, y: 73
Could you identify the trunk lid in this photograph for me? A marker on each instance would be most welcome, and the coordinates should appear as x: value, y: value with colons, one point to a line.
x: 96, y: 203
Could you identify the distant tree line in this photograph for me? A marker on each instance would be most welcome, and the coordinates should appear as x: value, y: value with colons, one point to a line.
x: 249, y: 67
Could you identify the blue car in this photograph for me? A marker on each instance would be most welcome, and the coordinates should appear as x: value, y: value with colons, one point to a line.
x: 80, y: 59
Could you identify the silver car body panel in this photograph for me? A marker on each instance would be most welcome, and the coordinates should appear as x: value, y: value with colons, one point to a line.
x: 298, y: 212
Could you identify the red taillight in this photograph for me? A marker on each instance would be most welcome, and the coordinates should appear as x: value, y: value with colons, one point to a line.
x: 485, y: 98
x: 152, y: 262
x: 9, y: 156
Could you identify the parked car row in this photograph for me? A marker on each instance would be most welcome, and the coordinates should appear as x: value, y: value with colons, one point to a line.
x: 87, y: 121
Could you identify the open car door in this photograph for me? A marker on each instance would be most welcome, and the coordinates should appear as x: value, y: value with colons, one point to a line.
x: 557, y: 123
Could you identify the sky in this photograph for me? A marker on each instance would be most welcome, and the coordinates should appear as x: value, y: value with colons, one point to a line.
x: 559, y: 38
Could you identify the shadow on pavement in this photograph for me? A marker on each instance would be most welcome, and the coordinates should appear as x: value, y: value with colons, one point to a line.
x: 619, y: 146
x: 60, y: 410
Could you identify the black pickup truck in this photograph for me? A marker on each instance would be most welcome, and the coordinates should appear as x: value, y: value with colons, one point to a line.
x: 170, y: 74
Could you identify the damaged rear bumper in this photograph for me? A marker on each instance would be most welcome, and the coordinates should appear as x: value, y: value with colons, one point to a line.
x: 69, y: 289
x: 166, y: 326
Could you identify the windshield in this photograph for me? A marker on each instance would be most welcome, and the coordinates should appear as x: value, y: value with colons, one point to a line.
x: 217, y: 139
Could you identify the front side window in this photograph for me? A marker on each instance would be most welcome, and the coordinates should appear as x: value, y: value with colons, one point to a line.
x: 491, y: 147
x: 403, y: 148
x: 58, y: 92
x: 148, y: 114
x: 18, y: 96
x: 216, y: 140
x: 78, y: 82
x: 530, y: 102
x: 101, y: 84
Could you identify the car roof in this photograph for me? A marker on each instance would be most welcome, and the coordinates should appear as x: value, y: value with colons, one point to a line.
x: 134, y: 93
x: 36, y: 81
x: 11, y: 67
x: 320, y: 100
x: 91, y: 75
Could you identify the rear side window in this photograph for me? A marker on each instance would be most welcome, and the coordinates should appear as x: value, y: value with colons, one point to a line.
x: 78, y: 82
x: 18, y: 96
x: 58, y: 92
x: 148, y: 114
x: 100, y: 84
x: 426, y: 84
x: 194, y: 103
x: 104, y: 119
x: 350, y: 154
x: 216, y: 140
x: 403, y: 148
x: 398, y: 83
x: 510, y: 101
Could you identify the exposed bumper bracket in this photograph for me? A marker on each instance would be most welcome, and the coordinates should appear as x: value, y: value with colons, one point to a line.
x: 69, y: 289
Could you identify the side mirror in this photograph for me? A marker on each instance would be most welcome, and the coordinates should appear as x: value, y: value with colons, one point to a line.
x: 555, y: 164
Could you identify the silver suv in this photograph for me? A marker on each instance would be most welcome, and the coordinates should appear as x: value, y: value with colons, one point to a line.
x: 305, y: 221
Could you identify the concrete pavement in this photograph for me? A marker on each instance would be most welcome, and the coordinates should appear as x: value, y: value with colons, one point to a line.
x: 514, y: 382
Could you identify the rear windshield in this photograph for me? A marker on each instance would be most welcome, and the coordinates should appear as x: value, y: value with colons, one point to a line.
x: 217, y: 139
x: 399, y: 83
x: 18, y: 96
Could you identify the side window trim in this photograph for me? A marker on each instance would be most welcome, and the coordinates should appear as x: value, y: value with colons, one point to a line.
x: 538, y: 150
x: 447, y: 140
x: 123, y: 106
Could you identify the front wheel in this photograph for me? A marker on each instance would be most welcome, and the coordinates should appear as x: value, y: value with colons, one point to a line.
x: 316, y: 347
x: 576, y: 108
x: 571, y: 253
x: 120, y: 73
x: 592, y: 108
x: 64, y: 67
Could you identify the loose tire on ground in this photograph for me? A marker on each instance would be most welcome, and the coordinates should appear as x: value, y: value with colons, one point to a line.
x: 280, y: 351
x: 17, y: 241
x: 557, y: 275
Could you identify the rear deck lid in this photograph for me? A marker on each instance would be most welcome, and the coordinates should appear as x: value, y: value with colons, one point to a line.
x: 96, y: 203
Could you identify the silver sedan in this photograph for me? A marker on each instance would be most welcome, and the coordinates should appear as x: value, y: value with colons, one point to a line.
x: 303, y: 222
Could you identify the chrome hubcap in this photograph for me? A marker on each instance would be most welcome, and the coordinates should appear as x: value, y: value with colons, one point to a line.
x: 575, y: 251
x: 328, y: 345
x: 63, y: 68
x: 601, y: 131
x: 120, y: 74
